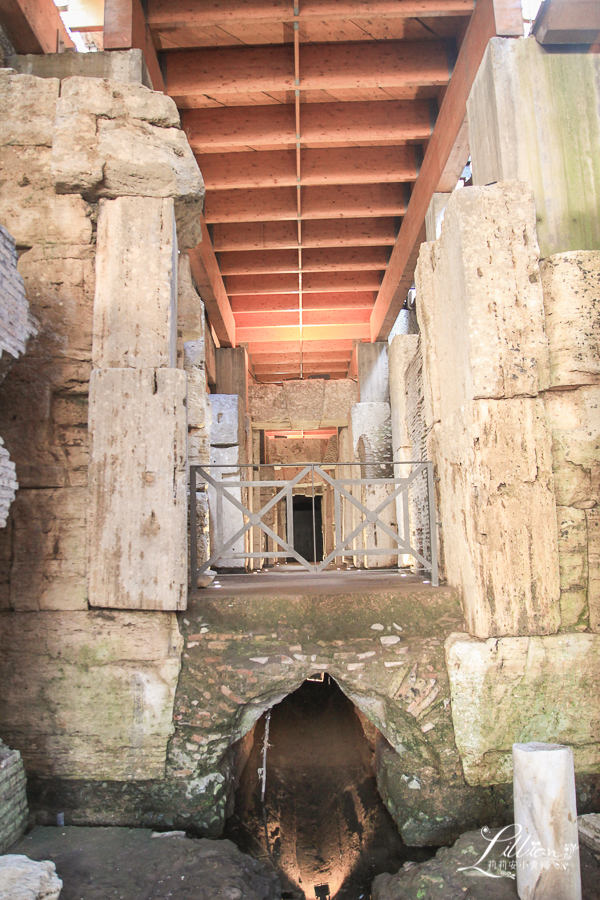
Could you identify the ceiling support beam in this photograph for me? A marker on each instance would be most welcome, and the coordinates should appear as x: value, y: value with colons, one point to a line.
x: 307, y: 333
x: 125, y: 28
x: 315, y: 233
x: 340, y: 300
x: 211, y: 288
x: 347, y: 165
x: 34, y: 26
x: 240, y: 127
x: 165, y: 14
x: 485, y: 23
x: 246, y: 70
x: 256, y: 262
x: 277, y: 204
x: 312, y: 282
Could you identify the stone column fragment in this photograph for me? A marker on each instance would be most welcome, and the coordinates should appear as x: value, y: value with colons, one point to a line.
x: 546, y: 821
x: 137, y: 524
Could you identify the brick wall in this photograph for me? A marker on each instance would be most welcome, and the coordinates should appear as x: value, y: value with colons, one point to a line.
x: 13, y: 802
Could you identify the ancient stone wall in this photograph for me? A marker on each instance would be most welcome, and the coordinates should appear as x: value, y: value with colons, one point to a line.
x: 314, y: 403
x: 97, y: 179
x: 13, y: 800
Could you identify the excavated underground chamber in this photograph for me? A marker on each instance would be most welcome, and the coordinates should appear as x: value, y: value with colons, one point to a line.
x: 322, y: 822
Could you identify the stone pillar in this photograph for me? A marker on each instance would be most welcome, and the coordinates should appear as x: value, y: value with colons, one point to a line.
x: 546, y: 818
x: 373, y: 378
x: 372, y: 439
x: 534, y: 117
x: 435, y: 216
x: 485, y: 360
x: 227, y: 438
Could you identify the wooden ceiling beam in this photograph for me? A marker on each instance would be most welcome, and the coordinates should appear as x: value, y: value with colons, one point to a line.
x: 209, y: 281
x: 490, y: 17
x: 317, y: 282
x: 34, y: 26
x: 255, y: 262
x: 315, y: 233
x: 241, y: 127
x: 329, y: 202
x: 343, y: 300
x: 277, y: 168
x: 341, y: 66
x: 288, y: 333
x: 169, y: 14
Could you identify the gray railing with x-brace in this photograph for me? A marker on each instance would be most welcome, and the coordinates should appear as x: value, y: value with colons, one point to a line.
x: 223, y: 547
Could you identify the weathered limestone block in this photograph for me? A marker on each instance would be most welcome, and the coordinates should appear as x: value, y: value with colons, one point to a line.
x: 546, y: 813
x: 340, y: 394
x: 487, y: 318
x: 304, y: 401
x: 534, y: 116
x: 373, y: 372
x: 113, y: 139
x: 29, y: 207
x: 426, y: 288
x: 48, y: 568
x: 225, y: 517
x: 135, y: 305
x: 498, y: 514
x: 402, y: 349
x: 571, y: 283
x: 574, y: 420
x: 28, y: 109
x: 137, y: 522
x: 523, y: 689
x: 22, y: 878
x: 13, y: 799
x: 117, y: 65
x: 593, y: 553
x: 228, y: 420
x: 89, y: 694
x: 190, y: 308
x: 198, y: 406
x: 573, y: 563
x: 267, y: 406
x: 589, y: 832
x: 434, y: 218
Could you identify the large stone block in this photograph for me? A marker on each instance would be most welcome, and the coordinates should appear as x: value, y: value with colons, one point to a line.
x: 267, y: 405
x: 113, y: 139
x: 574, y: 419
x: 228, y: 420
x: 498, y: 515
x: 137, y: 522
x: 314, y: 403
x: 226, y: 518
x: 426, y: 287
x: 48, y: 567
x: 523, y: 689
x: 481, y: 303
x: 340, y: 394
x: 593, y: 547
x: 190, y: 308
x: 573, y: 563
x: 29, y: 207
x: 534, y: 116
x: 22, y: 878
x: 571, y: 283
x: 116, y: 65
x: 135, y: 305
x: 402, y: 349
x: 89, y: 694
x: 373, y: 372
x: 28, y: 109
x: 304, y: 401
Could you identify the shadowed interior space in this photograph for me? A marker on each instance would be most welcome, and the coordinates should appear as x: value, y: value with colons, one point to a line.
x: 323, y: 823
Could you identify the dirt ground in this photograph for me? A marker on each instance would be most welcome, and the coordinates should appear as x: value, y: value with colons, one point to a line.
x: 323, y: 819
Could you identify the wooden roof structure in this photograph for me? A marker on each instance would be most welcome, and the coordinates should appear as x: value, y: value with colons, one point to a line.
x: 322, y: 129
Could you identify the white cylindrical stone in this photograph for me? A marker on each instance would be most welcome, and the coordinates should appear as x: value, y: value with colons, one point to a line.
x: 546, y: 822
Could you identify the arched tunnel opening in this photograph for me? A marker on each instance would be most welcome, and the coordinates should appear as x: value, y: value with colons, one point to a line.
x: 322, y: 822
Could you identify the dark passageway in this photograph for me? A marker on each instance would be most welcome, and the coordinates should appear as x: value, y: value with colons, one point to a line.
x: 325, y: 821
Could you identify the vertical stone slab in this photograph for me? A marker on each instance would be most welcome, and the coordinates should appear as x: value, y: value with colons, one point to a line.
x: 593, y: 529
x: 546, y: 819
x: 135, y: 304
x: 534, y: 116
x: 401, y: 351
x: 137, y: 525
x: 373, y: 372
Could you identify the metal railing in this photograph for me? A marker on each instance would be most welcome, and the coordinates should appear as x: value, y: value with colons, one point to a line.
x: 233, y: 489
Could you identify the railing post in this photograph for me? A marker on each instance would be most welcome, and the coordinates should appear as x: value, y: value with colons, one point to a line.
x: 290, y: 517
x: 193, y: 531
x: 432, y: 525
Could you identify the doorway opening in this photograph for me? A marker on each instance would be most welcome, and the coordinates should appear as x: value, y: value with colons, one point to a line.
x: 322, y: 823
x: 308, y: 535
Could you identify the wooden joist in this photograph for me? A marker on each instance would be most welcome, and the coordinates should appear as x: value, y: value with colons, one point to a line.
x: 209, y: 282
x: 241, y: 127
x: 277, y: 168
x: 331, y: 300
x: 312, y: 282
x: 256, y: 262
x: 247, y: 70
x: 328, y: 202
x: 315, y: 233
x: 165, y: 14
x: 289, y: 333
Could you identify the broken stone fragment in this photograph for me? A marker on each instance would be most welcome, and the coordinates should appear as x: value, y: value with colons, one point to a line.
x: 22, y: 878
